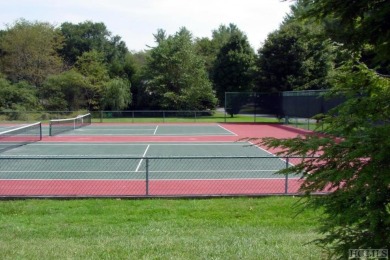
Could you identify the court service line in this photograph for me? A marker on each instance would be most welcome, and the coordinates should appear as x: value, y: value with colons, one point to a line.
x: 140, y: 162
x: 160, y: 171
x: 142, y: 144
x: 227, y: 130
x: 262, y: 149
x: 274, y: 155
x: 61, y: 172
x: 119, y: 129
x: 155, y: 130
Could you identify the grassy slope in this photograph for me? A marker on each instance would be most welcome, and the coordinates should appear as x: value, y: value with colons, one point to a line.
x: 224, y: 228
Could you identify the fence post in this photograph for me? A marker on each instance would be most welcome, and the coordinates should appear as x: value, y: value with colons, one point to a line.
x: 147, y: 176
x: 286, y: 178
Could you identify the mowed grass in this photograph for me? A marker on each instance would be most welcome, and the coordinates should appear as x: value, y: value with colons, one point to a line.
x: 219, y: 228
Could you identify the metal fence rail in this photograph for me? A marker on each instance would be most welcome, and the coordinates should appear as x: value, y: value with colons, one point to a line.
x: 159, y: 116
x: 51, y: 176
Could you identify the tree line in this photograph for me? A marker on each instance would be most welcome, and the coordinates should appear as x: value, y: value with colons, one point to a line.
x: 84, y: 66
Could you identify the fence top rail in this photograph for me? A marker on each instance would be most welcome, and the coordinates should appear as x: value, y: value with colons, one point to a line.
x: 82, y: 157
x: 105, y: 111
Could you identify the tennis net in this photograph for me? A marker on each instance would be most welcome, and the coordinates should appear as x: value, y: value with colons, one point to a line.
x: 20, y: 136
x: 58, y: 126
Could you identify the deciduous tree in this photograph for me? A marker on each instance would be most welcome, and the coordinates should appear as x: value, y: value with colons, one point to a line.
x: 30, y: 51
x: 19, y: 96
x: 116, y: 94
x: 64, y: 92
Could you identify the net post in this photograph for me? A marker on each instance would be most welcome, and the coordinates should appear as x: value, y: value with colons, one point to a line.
x: 147, y: 176
x: 286, y: 178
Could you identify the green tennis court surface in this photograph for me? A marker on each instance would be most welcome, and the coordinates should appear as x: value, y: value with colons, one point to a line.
x: 128, y: 161
x: 148, y: 130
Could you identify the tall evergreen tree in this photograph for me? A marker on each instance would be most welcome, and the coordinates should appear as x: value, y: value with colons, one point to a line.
x: 175, y: 75
x: 351, y: 157
x: 296, y: 56
x: 234, y: 67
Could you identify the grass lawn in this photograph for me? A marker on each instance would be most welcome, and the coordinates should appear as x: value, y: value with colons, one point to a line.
x: 220, y: 228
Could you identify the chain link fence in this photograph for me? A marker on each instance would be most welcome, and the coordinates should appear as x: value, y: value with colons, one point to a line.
x: 65, y: 176
x: 302, y: 109
x: 128, y: 116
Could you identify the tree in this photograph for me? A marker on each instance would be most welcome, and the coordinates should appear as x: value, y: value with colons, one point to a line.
x: 82, y: 37
x: 88, y: 36
x: 357, y: 25
x: 29, y: 51
x: 91, y: 66
x: 175, y: 75
x: 138, y: 63
x: 234, y: 67
x: 353, y: 163
x: 64, y: 92
x: 297, y: 56
x: 19, y: 96
x: 116, y: 94
x: 352, y: 155
x: 209, y: 48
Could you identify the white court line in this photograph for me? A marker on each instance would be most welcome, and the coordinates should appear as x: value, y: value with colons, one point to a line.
x: 120, y: 129
x: 224, y: 179
x: 139, y: 164
x: 227, y: 130
x: 125, y: 156
x: 143, y: 144
x: 145, y: 134
x: 63, y: 172
x: 155, y: 130
x: 274, y: 155
x: 184, y: 171
x: 252, y: 144
x: 73, y: 180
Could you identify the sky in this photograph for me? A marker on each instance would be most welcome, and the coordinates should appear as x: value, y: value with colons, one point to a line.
x: 135, y: 21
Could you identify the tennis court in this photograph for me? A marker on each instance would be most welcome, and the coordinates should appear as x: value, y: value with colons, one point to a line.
x: 65, y: 165
x: 149, y: 130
